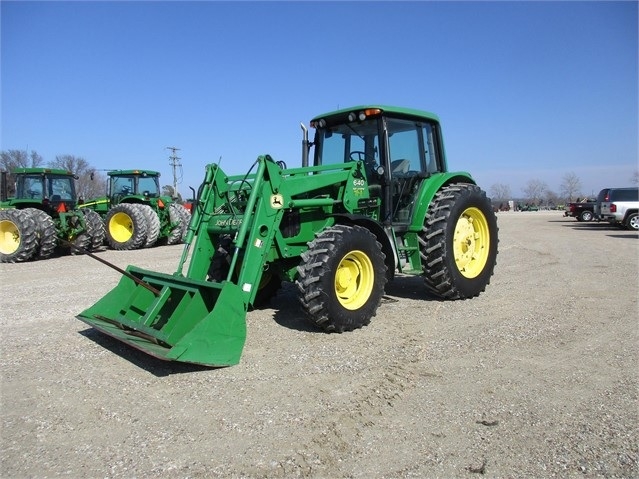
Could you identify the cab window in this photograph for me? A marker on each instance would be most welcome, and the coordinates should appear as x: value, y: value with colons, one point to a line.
x: 412, y: 146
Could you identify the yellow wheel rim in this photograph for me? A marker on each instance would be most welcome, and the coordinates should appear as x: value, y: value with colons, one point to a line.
x: 9, y: 237
x: 471, y: 242
x: 354, y: 280
x: 121, y: 227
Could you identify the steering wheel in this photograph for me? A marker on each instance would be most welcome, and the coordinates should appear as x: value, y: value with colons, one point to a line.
x: 361, y: 155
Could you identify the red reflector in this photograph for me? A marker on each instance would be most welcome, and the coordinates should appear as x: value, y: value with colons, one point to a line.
x: 160, y: 204
x: 62, y: 208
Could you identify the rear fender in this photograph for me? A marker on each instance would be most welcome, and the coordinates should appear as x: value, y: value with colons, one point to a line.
x: 429, y: 188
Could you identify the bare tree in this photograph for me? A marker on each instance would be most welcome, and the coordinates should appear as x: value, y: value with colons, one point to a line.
x: 167, y: 190
x: 500, y: 192
x: 11, y: 159
x: 89, y: 183
x: 552, y: 199
x: 535, y: 190
x: 635, y: 177
x: 570, y: 186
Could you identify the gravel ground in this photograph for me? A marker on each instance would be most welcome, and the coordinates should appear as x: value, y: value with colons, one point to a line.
x: 537, y: 377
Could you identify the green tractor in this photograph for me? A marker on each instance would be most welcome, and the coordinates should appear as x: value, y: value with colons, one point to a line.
x: 136, y: 215
x: 42, y: 215
x: 377, y: 201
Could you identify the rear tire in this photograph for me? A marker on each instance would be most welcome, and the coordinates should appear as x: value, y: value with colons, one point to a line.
x: 587, y: 216
x: 186, y: 220
x: 82, y: 242
x: 96, y: 230
x: 177, y: 219
x: 125, y: 227
x: 342, y: 278
x: 152, y: 226
x: 18, y: 236
x: 458, y: 245
x: 45, y: 231
x: 632, y: 223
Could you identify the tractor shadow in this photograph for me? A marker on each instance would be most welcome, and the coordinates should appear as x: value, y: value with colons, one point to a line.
x: 153, y: 365
x: 289, y: 314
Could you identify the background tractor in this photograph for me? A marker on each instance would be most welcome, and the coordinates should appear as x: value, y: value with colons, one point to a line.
x: 42, y: 215
x: 135, y: 214
x: 378, y: 200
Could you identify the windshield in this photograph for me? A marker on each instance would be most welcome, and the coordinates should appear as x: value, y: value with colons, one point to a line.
x: 349, y: 142
x: 39, y: 187
x: 148, y: 186
x: 412, y: 145
x: 126, y: 185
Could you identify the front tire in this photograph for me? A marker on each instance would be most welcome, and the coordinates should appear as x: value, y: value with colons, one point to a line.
x: 269, y: 285
x: 342, y: 278
x: 458, y: 245
x: 18, y: 236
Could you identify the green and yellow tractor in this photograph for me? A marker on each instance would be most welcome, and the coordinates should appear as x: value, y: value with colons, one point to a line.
x: 377, y: 200
x: 42, y: 215
x: 135, y: 213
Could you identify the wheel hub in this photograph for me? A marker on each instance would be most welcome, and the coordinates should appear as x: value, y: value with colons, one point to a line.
x: 471, y: 242
x: 9, y: 238
x: 121, y: 227
x: 354, y: 280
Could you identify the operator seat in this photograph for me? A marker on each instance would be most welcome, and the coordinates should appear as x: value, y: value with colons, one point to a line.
x: 399, y: 167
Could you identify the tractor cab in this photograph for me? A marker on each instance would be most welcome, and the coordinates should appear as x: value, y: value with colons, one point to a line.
x: 398, y: 148
x: 133, y: 183
x: 53, y: 189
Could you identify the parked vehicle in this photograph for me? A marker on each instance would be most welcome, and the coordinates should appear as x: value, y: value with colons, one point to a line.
x: 619, y: 206
x: 43, y: 215
x: 582, y: 210
x: 135, y: 213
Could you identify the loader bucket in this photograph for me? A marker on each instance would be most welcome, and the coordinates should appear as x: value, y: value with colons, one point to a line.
x: 185, y: 320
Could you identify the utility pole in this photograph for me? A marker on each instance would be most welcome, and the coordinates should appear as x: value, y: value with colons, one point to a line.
x: 175, y: 163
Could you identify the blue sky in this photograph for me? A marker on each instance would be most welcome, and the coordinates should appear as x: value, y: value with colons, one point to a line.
x: 524, y: 90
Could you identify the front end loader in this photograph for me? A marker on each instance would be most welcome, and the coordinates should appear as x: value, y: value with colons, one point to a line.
x: 376, y: 201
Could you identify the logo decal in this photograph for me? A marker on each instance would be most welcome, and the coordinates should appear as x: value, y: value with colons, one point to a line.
x: 277, y: 201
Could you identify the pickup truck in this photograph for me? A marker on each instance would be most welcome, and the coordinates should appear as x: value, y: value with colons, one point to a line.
x: 582, y: 210
x: 619, y: 206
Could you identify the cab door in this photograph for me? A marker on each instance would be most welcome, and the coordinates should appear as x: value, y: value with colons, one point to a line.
x: 412, y: 157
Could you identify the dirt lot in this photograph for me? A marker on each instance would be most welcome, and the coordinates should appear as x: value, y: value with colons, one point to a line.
x: 538, y: 377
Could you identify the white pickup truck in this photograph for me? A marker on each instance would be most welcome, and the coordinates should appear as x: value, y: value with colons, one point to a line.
x: 619, y: 206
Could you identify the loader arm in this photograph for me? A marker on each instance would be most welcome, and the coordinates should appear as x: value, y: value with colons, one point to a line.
x: 254, y: 222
